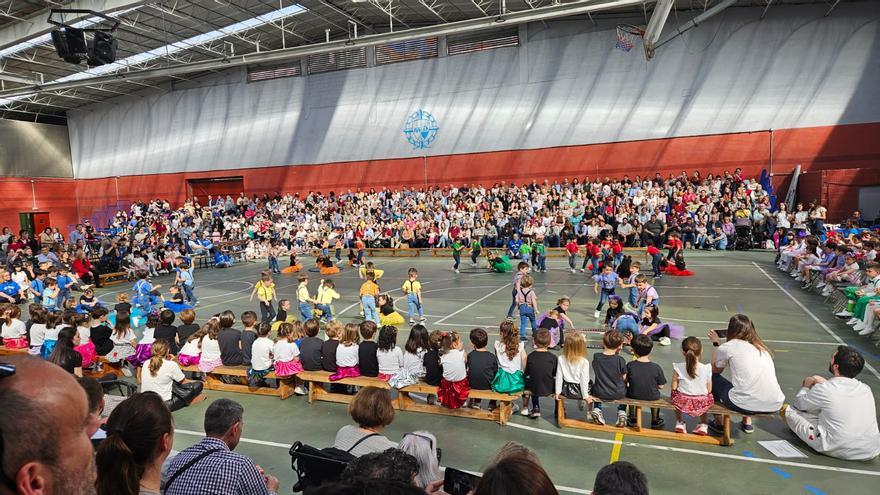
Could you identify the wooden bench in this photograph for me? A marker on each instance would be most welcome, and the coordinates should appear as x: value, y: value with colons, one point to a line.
x: 501, y: 413
x: 638, y: 430
x: 93, y: 374
x: 112, y: 278
x: 404, y: 401
x: 213, y: 382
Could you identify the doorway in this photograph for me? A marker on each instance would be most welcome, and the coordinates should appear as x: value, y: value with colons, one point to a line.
x: 215, y: 186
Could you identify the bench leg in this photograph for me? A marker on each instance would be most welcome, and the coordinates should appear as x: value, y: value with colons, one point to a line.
x: 638, y: 418
x: 284, y: 389
x: 725, y: 438
x: 560, y: 412
x: 312, y: 394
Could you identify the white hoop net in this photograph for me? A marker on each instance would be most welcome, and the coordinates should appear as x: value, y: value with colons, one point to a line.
x: 626, y: 37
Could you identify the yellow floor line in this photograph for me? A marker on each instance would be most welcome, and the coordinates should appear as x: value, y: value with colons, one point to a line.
x: 615, y: 451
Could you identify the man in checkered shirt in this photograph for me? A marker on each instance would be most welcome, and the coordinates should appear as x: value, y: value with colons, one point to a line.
x: 211, y: 467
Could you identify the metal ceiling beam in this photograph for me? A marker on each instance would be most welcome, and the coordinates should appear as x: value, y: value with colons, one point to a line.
x: 36, y: 25
x: 466, y: 26
x: 6, y: 76
x: 717, y: 9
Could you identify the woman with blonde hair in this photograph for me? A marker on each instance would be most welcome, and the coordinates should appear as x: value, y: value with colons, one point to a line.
x: 753, y: 387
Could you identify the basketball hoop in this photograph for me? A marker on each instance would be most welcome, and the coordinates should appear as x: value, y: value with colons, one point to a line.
x: 627, y: 35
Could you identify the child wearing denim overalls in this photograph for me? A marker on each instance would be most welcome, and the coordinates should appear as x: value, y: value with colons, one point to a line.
x: 604, y: 286
x: 412, y: 288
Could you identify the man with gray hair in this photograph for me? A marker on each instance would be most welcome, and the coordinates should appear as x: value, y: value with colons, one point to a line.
x: 211, y: 466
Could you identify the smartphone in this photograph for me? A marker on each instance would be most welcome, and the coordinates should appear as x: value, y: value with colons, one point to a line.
x: 457, y: 482
x: 722, y: 334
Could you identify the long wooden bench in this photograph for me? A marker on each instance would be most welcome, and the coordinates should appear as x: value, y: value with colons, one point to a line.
x: 213, y: 382
x: 112, y: 278
x: 404, y: 402
x: 638, y: 430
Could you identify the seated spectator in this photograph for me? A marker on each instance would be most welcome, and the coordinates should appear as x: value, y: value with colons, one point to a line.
x: 423, y: 446
x: 372, y: 410
x: 837, y: 416
x: 55, y: 455
x: 64, y: 354
x: 140, y: 433
x: 219, y: 470
x: 95, y: 396
x: 753, y: 388
x: 392, y: 465
x: 516, y: 472
x: 620, y: 478
x: 162, y: 375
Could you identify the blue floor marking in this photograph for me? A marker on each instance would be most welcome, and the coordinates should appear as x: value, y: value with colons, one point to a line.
x: 780, y: 472
x: 815, y: 491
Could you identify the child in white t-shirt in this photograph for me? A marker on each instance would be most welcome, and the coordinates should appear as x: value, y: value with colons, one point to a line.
x: 454, y: 388
x: 261, y: 356
x: 390, y: 356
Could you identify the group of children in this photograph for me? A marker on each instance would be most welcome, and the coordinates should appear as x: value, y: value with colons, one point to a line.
x: 836, y: 263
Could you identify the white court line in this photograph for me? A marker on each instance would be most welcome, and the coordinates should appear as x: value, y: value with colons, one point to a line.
x: 709, y: 287
x: 817, y: 320
x: 615, y: 442
x: 441, y: 320
x: 287, y: 447
x: 692, y: 297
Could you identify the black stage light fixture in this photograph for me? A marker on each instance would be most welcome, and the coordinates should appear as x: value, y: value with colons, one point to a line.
x: 70, y: 43
x: 102, y: 49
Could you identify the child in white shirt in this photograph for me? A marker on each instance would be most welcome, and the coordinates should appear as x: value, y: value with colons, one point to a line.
x: 454, y: 389
x: 390, y: 356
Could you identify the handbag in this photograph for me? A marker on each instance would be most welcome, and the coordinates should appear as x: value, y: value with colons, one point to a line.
x: 572, y: 390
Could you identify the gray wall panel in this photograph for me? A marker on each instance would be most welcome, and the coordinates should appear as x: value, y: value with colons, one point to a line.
x: 565, y: 86
x: 28, y: 149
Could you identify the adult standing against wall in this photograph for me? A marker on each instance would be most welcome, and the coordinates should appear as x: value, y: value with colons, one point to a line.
x: 753, y: 387
x: 837, y: 416
x: 817, y: 219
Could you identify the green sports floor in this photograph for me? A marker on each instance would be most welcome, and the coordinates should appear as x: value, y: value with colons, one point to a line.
x: 797, y: 326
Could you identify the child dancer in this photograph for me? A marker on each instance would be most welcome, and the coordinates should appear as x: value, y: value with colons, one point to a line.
x: 369, y: 291
x: 413, y: 358
x: 453, y: 390
x: 304, y: 299
x: 145, y: 295
x: 573, y: 371
x: 522, y: 268
x: 654, y: 254
x: 387, y: 314
x: 186, y: 280
x: 273, y: 254
x: 634, y: 269
x: 610, y: 377
x: 540, y: 373
x: 457, y: 248
x: 265, y: 291
x: 615, y: 309
x: 412, y: 288
x: 571, y: 247
x: 692, y: 387
x: 326, y: 295
x: 511, y: 355
x: 540, y: 253
x: 527, y: 302
x: 286, y: 353
x: 476, y: 249
x: 647, y: 294
x: 604, y: 286
x: 370, y: 267
x: 390, y: 356
x: 177, y: 303
x: 347, y: 354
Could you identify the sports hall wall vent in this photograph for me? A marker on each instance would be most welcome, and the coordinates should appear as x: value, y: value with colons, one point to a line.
x: 403, y: 51
x: 288, y: 69
x: 348, y: 59
x: 482, y: 41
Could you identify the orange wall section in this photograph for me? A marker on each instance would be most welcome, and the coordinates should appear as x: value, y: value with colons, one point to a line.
x: 855, y: 148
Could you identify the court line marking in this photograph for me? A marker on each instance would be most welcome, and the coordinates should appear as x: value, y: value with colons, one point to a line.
x: 441, y: 320
x: 628, y: 444
x: 287, y: 447
x: 615, y: 451
x: 699, y: 452
x: 814, y: 317
x: 708, y: 287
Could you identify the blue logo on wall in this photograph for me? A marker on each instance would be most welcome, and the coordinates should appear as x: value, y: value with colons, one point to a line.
x: 420, y: 129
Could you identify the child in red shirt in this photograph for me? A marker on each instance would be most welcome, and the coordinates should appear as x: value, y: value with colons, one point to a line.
x: 617, y: 251
x: 572, y: 249
x: 593, y: 252
x: 655, y: 256
x: 674, y: 244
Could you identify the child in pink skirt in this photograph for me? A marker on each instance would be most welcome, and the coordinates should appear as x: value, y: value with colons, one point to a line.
x: 454, y: 388
x: 144, y: 349
x: 286, y: 353
x: 692, y: 387
x: 86, y: 347
x: 347, y: 353
x: 190, y: 354
x: 14, y: 331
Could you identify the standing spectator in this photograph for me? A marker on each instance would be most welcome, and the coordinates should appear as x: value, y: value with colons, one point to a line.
x: 837, y: 416
x: 217, y: 468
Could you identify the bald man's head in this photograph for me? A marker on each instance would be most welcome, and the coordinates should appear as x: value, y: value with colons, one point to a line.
x: 46, y: 449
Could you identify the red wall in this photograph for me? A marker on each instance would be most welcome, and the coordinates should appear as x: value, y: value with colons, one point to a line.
x: 852, y: 149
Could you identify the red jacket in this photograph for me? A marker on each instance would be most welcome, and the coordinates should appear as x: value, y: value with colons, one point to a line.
x: 81, y: 267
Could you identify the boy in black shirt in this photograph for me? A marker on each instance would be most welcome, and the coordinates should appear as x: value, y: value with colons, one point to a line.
x: 310, y: 346
x: 230, y: 340
x: 433, y: 368
x: 609, y: 382
x: 540, y: 371
x: 101, y: 331
x: 368, y: 362
x: 248, y: 336
x: 187, y: 317
x: 166, y: 330
x: 644, y: 379
x: 481, y: 365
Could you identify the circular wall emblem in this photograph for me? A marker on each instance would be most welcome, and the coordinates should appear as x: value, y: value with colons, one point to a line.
x: 420, y: 129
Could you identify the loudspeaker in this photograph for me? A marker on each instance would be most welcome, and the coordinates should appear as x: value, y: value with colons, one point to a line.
x: 102, y: 49
x: 70, y: 43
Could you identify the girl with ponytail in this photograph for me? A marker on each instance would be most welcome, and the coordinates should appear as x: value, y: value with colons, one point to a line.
x: 140, y: 434
x: 160, y: 374
x: 692, y: 387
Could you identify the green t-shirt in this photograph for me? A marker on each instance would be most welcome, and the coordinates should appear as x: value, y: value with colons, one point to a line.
x: 475, y: 245
x: 457, y: 247
x: 525, y: 249
x: 539, y: 248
